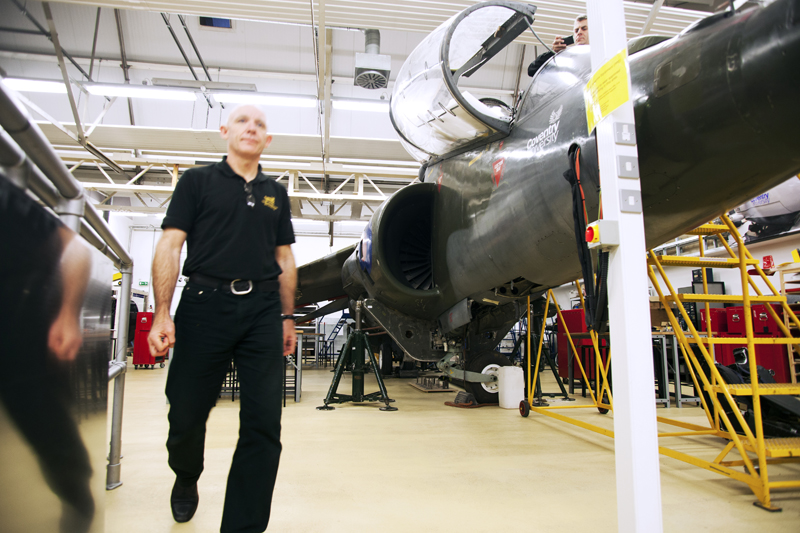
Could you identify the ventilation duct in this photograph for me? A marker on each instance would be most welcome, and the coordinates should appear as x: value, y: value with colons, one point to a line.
x: 372, y: 68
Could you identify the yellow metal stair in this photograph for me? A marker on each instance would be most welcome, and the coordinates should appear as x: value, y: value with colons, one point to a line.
x: 763, y: 389
x: 708, y: 262
x: 777, y: 447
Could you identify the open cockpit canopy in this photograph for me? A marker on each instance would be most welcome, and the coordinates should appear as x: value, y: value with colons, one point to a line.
x: 428, y: 110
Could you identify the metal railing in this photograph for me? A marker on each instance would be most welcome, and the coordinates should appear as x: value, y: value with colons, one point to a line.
x: 29, y: 160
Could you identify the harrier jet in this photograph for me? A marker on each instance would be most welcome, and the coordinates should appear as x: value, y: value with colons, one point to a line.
x: 445, y: 265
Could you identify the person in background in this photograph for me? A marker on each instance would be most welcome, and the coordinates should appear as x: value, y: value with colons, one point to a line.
x: 580, y: 36
x: 44, y: 273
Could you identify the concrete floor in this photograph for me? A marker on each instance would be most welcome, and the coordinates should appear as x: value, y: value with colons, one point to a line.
x: 426, y: 467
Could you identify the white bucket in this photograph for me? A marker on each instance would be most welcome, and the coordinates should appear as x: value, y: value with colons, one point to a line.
x: 511, y: 386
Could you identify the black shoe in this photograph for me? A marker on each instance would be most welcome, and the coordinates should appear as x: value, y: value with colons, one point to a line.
x: 183, y: 502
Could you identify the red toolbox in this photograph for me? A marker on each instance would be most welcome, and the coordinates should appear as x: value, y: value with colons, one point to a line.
x: 770, y: 356
x: 141, y: 350
x: 763, y: 323
x: 574, y: 319
x: 735, y: 319
x: 719, y: 320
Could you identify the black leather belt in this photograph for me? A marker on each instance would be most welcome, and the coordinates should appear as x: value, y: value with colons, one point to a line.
x: 236, y: 286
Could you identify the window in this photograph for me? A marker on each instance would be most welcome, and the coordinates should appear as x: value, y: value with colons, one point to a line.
x: 213, y: 22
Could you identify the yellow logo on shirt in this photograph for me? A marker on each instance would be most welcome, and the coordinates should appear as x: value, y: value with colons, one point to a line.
x: 269, y: 201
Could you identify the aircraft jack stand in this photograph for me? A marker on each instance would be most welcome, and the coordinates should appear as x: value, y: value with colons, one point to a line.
x: 352, y: 360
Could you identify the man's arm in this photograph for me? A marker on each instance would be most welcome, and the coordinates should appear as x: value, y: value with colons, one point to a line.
x: 166, y: 264
x: 65, y: 336
x: 288, y: 280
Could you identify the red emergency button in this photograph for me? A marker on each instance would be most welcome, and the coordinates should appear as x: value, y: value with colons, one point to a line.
x: 592, y: 234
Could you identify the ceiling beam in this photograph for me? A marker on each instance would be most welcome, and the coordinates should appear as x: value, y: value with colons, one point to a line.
x: 328, y: 54
x: 124, y: 64
x: 63, y: 67
x: 185, y: 58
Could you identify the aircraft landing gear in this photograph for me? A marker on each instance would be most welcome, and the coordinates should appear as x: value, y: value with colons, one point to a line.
x: 487, y: 364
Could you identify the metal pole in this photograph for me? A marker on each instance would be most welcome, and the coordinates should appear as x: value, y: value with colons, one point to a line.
x: 185, y: 57
x: 635, y: 430
x: 70, y: 211
x: 298, y: 376
x: 16, y: 121
x: 124, y: 58
x: 44, y: 32
x: 194, y: 46
x: 63, y: 67
x: 113, y: 469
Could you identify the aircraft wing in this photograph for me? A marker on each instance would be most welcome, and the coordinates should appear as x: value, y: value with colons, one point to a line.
x: 321, y: 280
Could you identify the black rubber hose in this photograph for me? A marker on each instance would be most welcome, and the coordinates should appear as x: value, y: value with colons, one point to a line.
x: 579, y: 220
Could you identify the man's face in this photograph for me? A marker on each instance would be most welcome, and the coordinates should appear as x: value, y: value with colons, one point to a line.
x: 246, y: 131
x: 581, y: 31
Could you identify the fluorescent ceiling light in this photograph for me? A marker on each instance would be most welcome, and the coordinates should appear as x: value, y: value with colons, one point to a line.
x: 278, y: 100
x: 378, y: 106
x: 35, y: 86
x: 199, y: 85
x: 353, y: 224
x: 140, y: 91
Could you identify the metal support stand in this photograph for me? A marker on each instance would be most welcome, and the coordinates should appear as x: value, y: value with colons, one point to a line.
x: 115, y: 453
x: 538, y: 393
x: 352, y: 360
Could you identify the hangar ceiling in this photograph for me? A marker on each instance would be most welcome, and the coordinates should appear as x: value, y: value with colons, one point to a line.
x: 277, y: 48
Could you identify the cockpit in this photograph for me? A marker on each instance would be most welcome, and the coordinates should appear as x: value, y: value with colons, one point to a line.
x: 432, y: 115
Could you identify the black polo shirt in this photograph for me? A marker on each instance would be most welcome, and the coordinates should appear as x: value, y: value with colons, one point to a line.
x: 226, y: 238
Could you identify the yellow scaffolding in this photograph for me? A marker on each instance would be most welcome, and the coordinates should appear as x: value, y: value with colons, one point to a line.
x: 755, y: 451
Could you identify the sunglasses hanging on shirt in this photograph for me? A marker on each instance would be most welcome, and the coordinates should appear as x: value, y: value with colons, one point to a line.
x: 251, y: 200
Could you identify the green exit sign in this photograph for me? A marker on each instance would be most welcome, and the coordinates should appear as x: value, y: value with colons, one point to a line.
x: 143, y: 284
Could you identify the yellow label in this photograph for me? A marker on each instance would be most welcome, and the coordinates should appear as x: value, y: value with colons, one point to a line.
x: 269, y: 201
x: 606, y: 90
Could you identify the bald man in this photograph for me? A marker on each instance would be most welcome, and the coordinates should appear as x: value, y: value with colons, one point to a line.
x: 237, y: 305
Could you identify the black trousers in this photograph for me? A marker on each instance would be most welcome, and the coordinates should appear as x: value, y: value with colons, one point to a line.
x: 211, y: 328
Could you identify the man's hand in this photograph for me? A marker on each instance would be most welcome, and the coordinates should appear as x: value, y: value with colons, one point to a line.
x: 289, y: 337
x: 65, y: 337
x: 558, y: 44
x: 162, y: 336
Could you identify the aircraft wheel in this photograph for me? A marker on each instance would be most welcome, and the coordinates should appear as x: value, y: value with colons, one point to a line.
x: 524, y: 408
x: 487, y: 363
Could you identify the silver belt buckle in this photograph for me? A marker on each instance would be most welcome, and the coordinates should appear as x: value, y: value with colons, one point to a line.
x: 239, y: 293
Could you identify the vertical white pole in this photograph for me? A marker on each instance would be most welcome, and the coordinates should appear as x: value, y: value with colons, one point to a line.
x: 298, y: 380
x: 636, y: 436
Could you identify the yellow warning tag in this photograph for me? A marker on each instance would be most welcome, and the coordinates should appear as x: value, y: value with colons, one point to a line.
x: 606, y: 90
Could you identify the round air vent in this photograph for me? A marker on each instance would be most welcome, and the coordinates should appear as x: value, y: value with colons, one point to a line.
x: 371, y: 79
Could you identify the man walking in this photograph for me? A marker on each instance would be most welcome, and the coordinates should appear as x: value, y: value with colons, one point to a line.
x: 237, y: 304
